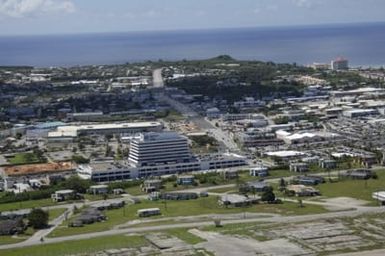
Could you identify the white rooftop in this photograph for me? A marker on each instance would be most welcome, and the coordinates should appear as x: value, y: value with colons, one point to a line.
x: 158, y: 136
x: 285, y: 153
x: 72, y: 130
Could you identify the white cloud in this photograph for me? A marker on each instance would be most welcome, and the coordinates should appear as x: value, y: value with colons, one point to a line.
x: 23, y: 8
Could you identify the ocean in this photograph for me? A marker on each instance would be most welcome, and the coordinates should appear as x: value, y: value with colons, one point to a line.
x: 362, y: 44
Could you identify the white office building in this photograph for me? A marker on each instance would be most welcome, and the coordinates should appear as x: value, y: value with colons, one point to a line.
x: 339, y: 64
x: 153, y: 148
x: 157, y: 154
x: 70, y: 132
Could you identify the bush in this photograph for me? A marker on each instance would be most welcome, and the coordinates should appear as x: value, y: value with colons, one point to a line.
x: 268, y: 196
x: 38, y: 218
x: 80, y: 159
x: 124, y: 184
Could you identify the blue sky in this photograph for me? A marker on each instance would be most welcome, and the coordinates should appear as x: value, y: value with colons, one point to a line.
x: 80, y: 16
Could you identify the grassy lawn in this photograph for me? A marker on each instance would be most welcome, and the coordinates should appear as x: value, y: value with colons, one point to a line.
x: 135, y: 191
x: 199, y: 206
x: 280, y: 173
x: 186, y: 236
x: 25, y: 158
x: 240, y: 229
x: 10, y: 240
x: 359, y: 189
x: 92, y: 197
x: 26, y: 204
x: 83, y: 247
x: 54, y: 213
x: 224, y: 190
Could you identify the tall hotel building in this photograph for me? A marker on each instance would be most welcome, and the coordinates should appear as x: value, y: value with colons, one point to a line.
x: 339, y: 64
x: 157, y: 154
x: 152, y: 149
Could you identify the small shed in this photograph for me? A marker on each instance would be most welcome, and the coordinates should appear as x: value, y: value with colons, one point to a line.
x: 148, y: 212
x: 63, y: 195
x: 230, y: 174
x: 185, y: 180
x: 152, y: 185
x: 260, y: 171
x: 299, y: 167
x: 98, y: 189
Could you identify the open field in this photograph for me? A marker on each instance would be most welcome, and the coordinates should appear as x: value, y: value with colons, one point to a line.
x: 26, y: 204
x: 359, y: 189
x: 10, y: 240
x: 84, y: 247
x: 54, y: 213
x: 199, y: 206
x: 25, y: 158
x: 186, y: 236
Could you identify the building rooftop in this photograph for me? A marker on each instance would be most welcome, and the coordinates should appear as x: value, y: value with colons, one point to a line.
x: 285, y: 153
x: 72, y: 130
x: 158, y: 136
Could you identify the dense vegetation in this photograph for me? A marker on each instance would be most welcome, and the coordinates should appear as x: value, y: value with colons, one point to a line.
x: 74, y: 182
x: 236, y: 79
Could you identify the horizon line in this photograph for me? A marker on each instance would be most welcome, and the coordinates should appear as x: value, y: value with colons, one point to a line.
x: 320, y: 25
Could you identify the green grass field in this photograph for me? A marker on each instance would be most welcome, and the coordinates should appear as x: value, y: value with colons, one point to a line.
x: 199, y: 206
x: 54, y: 213
x: 186, y: 236
x: 224, y: 190
x: 26, y: 204
x: 83, y: 247
x: 25, y: 158
x: 10, y: 240
x: 240, y: 229
x: 359, y: 189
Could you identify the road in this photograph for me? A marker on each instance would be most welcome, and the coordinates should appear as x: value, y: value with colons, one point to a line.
x: 221, y: 136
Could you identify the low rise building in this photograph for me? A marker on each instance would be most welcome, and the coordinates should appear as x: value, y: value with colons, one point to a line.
x: 148, y: 212
x: 359, y: 174
x: 230, y: 174
x: 185, y: 180
x: 235, y: 200
x: 379, y: 196
x: 328, y: 163
x: 152, y: 185
x: 260, y: 171
x: 98, y: 189
x: 302, y: 190
x: 213, y: 113
x: 299, y: 167
x: 63, y: 195
x: 178, y: 196
x: 255, y: 186
x: 308, y: 180
x: 69, y: 133
x: 355, y: 113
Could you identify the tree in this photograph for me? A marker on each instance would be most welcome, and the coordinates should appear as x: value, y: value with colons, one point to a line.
x: 80, y: 159
x: 38, y: 218
x: 77, y: 184
x: 19, y: 135
x: 268, y: 195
